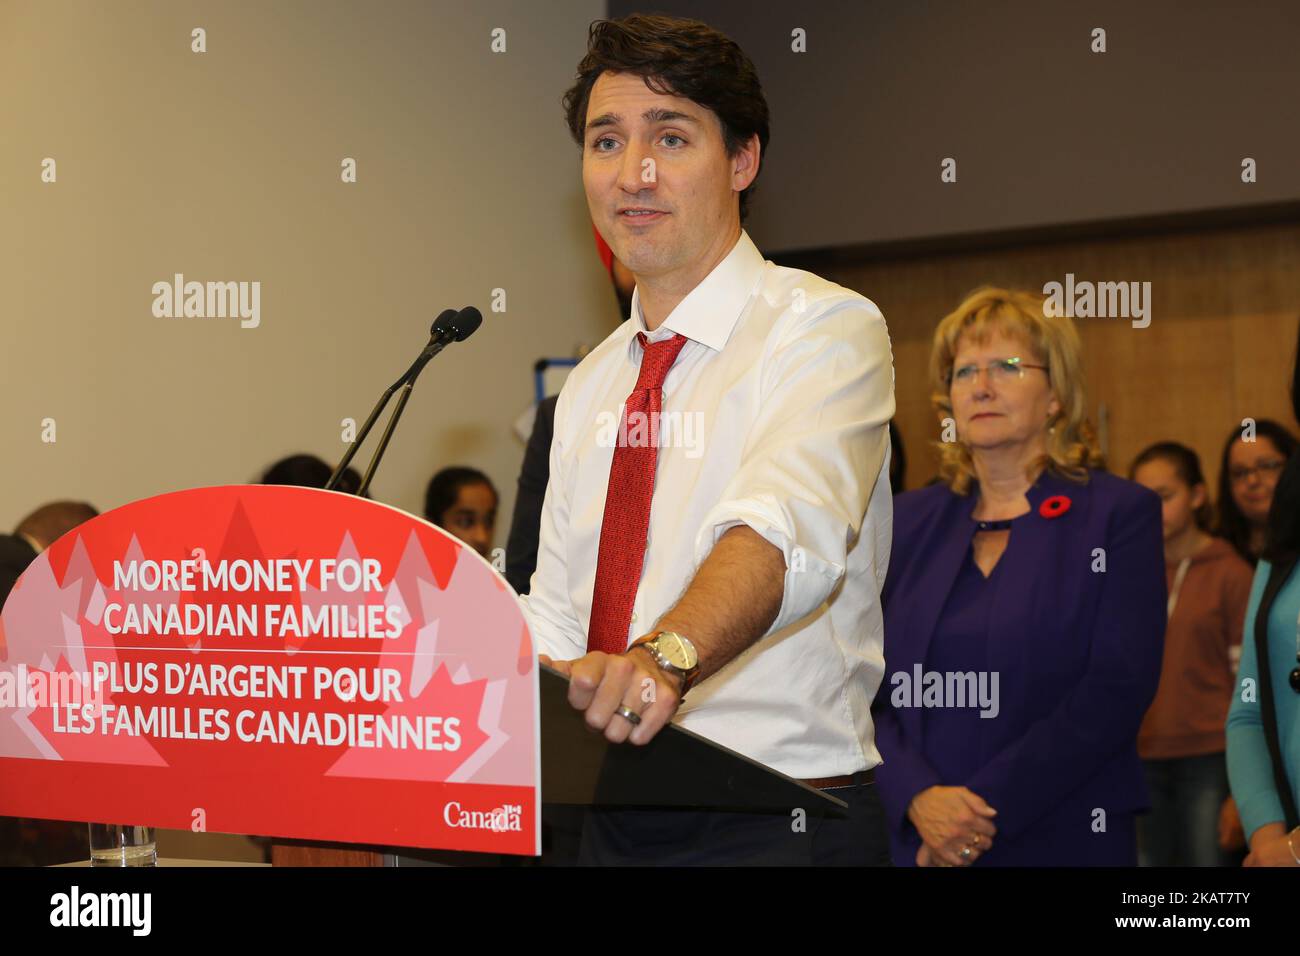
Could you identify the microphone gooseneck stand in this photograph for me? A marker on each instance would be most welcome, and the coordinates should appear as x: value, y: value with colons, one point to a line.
x: 451, y: 326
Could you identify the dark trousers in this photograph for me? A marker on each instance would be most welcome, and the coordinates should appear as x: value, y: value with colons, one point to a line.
x: 1182, y: 828
x: 659, y: 837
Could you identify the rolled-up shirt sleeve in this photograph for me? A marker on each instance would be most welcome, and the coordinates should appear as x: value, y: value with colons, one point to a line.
x: 547, y: 607
x: 815, y: 452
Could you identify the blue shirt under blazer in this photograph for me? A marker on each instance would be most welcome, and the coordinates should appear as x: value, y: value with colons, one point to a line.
x: 1077, y: 650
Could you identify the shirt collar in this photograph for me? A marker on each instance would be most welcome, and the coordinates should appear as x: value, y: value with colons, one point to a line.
x: 710, y: 311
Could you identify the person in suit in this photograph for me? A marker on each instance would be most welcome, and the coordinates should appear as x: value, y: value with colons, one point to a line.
x: 526, y: 521
x: 1024, y: 613
x: 897, y: 459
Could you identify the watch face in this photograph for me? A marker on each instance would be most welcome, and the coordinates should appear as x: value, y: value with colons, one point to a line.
x: 679, y: 653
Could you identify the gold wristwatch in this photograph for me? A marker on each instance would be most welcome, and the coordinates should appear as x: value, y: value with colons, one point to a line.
x: 675, y: 654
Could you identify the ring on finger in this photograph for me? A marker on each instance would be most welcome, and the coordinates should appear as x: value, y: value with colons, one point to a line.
x: 628, y: 714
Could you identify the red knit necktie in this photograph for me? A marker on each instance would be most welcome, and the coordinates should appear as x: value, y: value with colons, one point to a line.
x: 627, y: 501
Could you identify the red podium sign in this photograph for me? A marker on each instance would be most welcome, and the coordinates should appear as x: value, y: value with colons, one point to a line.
x: 275, y: 661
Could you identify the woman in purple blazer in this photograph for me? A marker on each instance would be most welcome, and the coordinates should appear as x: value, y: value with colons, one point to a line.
x: 1024, y: 614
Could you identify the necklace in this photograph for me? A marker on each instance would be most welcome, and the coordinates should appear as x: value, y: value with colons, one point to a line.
x: 1295, y: 674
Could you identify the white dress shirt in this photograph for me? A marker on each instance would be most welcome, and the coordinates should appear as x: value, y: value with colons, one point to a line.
x: 775, y: 416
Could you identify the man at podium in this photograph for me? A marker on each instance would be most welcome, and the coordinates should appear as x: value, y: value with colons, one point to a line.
x: 717, y: 523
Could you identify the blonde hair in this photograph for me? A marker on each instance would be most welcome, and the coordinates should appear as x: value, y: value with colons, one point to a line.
x: 1071, y: 440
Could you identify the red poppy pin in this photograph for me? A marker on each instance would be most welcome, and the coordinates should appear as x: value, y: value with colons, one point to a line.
x: 1054, y: 506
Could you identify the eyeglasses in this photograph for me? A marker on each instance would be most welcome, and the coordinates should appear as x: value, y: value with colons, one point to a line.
x: 1000, y: 372
x: 1265, y: 469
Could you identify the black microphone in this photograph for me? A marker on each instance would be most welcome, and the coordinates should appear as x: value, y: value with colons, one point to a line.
x: 439, y: 327
x: 453, y: 326
x: 450, y: 326
x: 441, y: 334
x: 463, y: 323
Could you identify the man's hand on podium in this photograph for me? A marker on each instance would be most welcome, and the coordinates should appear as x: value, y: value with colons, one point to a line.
x: 731, y: 602
x: 606, y: 686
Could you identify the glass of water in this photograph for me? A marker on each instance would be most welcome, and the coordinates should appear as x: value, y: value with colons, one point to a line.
x: 112, y: 844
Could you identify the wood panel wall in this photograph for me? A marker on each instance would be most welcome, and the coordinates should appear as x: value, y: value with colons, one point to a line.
x: 1225, y: 304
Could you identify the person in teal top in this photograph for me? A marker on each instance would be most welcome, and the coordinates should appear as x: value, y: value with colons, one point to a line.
x: 1250, y: 769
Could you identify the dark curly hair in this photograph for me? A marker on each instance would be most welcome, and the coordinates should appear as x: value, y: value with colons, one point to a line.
x: 678, y: 58
x: 1233, y: 524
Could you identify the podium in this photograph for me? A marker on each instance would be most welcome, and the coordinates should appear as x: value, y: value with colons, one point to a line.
x: 313, y: 667
x: 678, y: 768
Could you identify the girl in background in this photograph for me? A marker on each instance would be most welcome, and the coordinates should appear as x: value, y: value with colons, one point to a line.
x: 463, y: 501
x: 1247, y: 476
x: 1181, y: 741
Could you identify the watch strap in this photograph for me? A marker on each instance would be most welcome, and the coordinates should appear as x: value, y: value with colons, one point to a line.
x: 664, y: 664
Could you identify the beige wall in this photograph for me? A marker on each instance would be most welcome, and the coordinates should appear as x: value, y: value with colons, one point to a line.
x: 1220, y: 347
x: 225, y: 166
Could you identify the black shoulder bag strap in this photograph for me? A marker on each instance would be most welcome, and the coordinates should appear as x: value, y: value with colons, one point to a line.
x: 1268, y: 709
